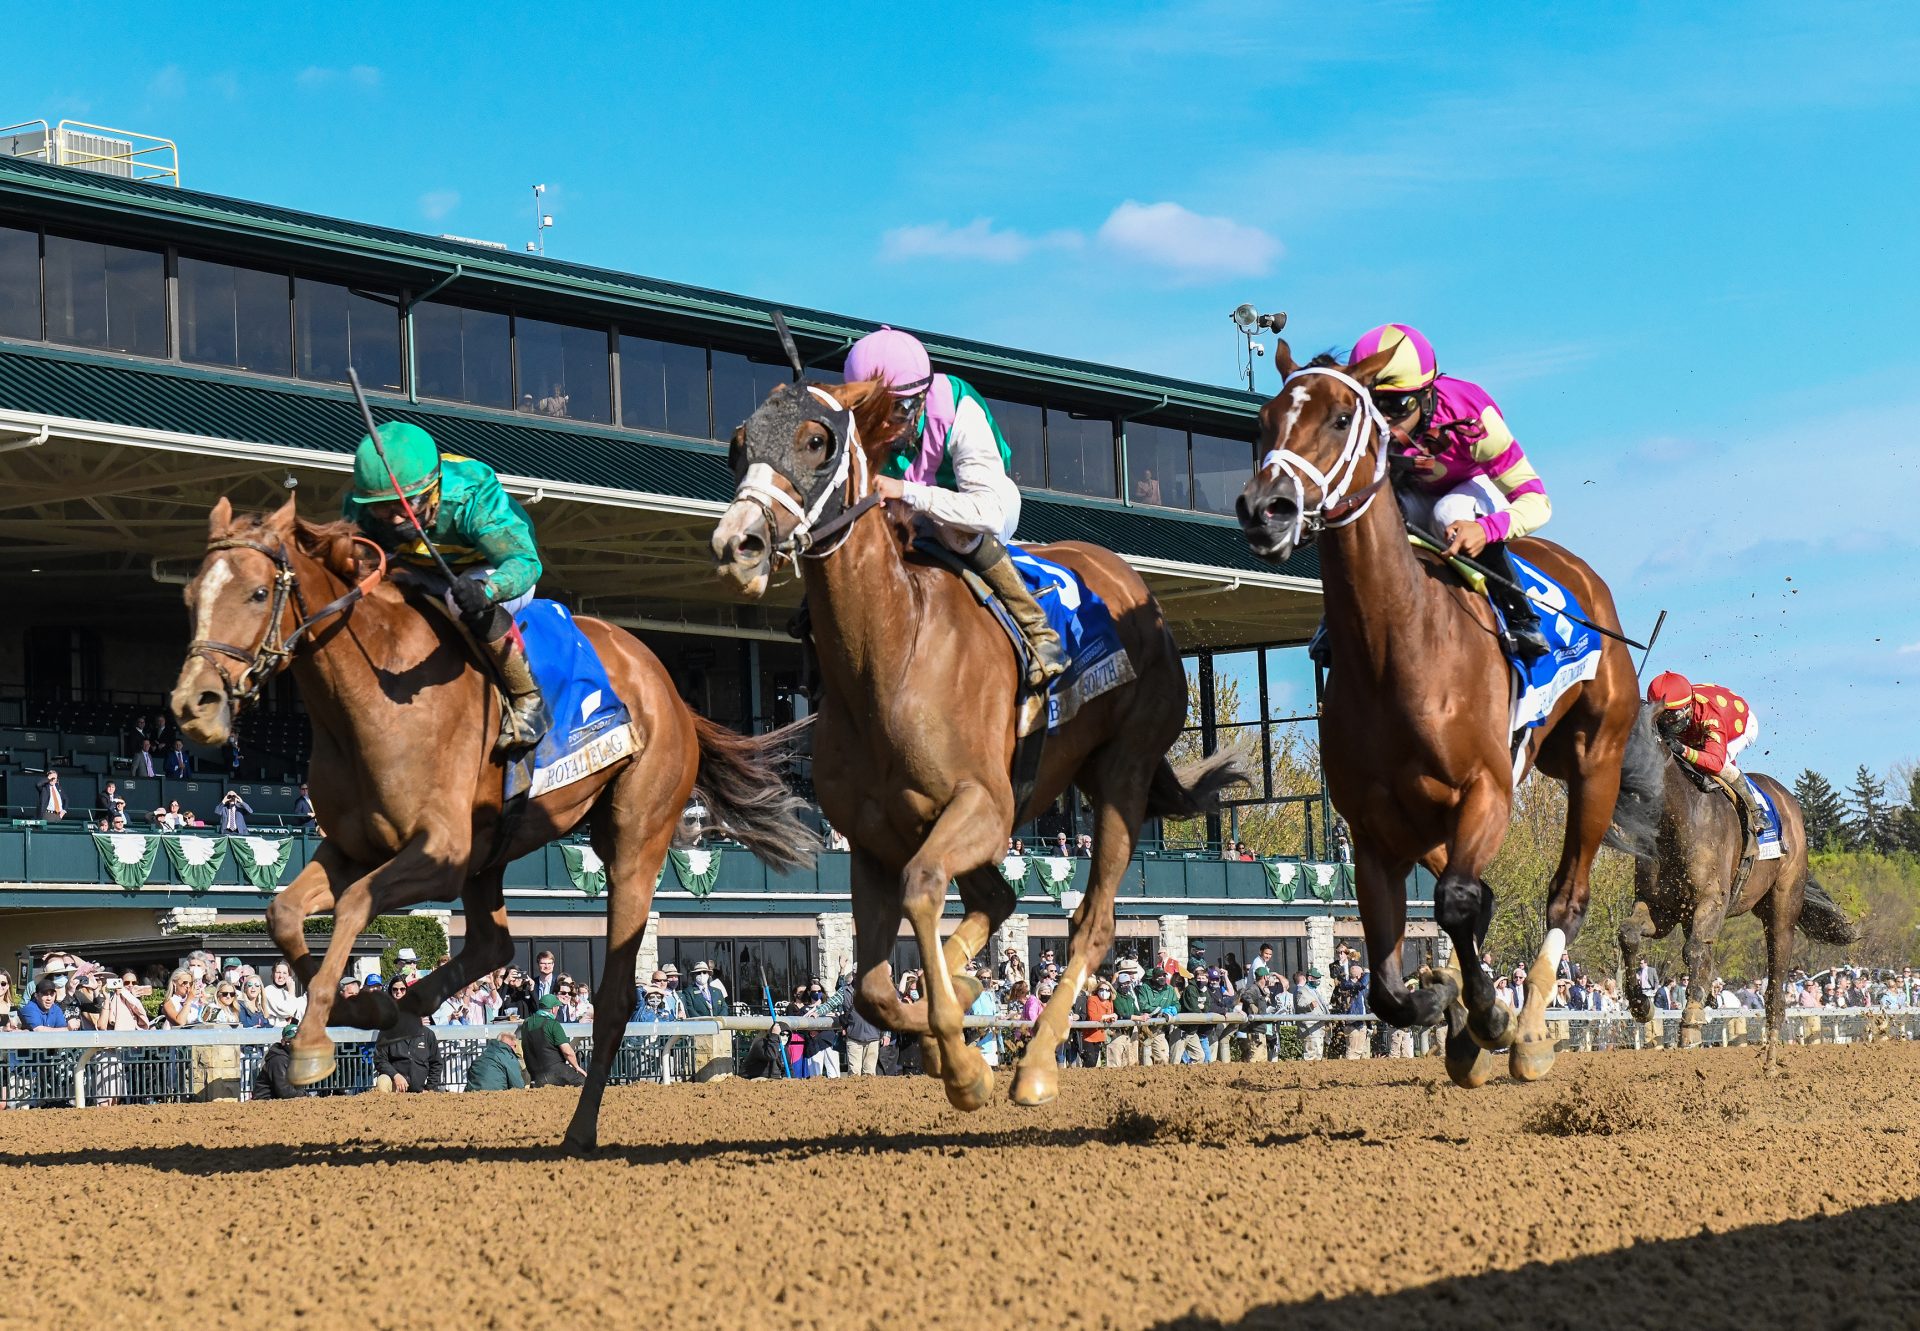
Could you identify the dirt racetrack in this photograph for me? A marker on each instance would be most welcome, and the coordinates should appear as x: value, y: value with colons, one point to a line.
x: 1650, y: 1189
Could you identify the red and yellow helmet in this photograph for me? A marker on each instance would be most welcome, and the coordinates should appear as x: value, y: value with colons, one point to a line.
x: 1671, y: 691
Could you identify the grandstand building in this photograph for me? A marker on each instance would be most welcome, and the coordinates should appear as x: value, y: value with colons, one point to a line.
x: 160, y: 348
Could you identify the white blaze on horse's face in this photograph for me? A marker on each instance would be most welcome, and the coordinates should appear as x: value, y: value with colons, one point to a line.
x: 212, y: 582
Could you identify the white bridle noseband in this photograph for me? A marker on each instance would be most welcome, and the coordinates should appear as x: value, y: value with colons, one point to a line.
x: 761, y: 486
x: 1368, y: 425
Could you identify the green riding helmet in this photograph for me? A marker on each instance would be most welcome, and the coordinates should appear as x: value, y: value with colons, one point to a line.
x: 412, y: 454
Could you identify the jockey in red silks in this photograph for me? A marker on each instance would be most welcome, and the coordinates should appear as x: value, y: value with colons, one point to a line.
x: 1705, y: 725
x: 1472, y: 484
x: 948, y: 461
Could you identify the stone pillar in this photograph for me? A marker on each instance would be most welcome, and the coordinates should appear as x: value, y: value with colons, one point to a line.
x: 1442, y: 949
x: 834, y: 951
x: 649, y: 961
x: 1173, y: 937
x: 1320, y: 943
x: 1011, y: 934
x: 185, y: 919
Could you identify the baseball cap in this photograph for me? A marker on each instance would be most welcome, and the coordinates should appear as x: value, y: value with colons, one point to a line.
x: 288, y: 1031
x: 373, y: 981
x: 346, y: 980
x: 550, y: 1002
x: 230, y: 961
x: 1313, y: 973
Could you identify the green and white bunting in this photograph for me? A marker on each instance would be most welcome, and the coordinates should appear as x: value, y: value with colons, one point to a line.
x: 127, y: 856
x: 1014, y: 869
x: 1283, y: 878
x: 195, y: 859
x: 1054, y: 874
x: 585, y: 868
x: 1327, y: 882
x: 698, y: 869
x: 262, y: 859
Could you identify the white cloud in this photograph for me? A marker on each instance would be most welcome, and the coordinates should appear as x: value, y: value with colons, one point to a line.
x: 314, y: 76
x: 1911, y: 649
x: 979, y: 240
x: 364, y: 76
x: 1189, y: 244
x: 436, y: 204
x: 168, y: 81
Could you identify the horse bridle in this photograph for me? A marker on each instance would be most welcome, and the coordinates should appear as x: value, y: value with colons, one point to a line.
x: 1337, y: 508
x: 271, y: 654
x: 846, y: 477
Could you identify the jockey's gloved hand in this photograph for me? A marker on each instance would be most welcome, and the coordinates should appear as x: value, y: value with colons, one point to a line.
x: 471, y: 597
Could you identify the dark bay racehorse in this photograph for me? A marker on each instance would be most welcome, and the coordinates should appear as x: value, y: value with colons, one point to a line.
x: 404, y: 782
x: 915, y: 735
x: 1415, y: 721
x: 1688, y: 881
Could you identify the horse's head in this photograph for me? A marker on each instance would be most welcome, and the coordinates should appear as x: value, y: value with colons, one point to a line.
x: 1316, y: 434
x: 800, y: 462
x: 248, y: 611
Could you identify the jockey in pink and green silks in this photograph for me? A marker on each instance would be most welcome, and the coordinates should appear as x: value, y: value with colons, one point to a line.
x: 1472, y: 484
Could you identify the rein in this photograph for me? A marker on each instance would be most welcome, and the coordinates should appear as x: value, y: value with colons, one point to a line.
x: 1337, y: 508
x: 271, y: 654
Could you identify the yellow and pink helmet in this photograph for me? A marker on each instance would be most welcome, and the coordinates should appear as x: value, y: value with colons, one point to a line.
x: 1412, y: 367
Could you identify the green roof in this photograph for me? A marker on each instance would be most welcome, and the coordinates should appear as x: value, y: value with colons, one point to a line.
x: 174, y: 399
x: 163, y: 212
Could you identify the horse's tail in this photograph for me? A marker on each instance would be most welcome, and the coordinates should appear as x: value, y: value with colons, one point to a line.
x: 1821, y: 918
x: 1194, y: 790
x: 740, y: 782
x: 1643, y: 786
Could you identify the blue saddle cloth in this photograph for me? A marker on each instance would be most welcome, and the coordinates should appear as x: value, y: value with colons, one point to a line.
x: 591, y: 727
x: 1768, y: 833
x: 1576, y: 648
x: 1097, y: 661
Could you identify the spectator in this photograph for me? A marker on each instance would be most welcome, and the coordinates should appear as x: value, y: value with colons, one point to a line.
x: 497, y: 1067
x: 112, y: 803
x: 546, y: 976
x: 407, y: 1055
x: 225, y: 1008
x: 253, y: 1009
x: 143, y: 765
x: 986, y: 1005
x: 6, y: 992
x: 1012, y: 968
x: 123, y: 1009
x: 282, y: 1000
x: 233, y: 814
x: 1220, y: 1002
x: 136, y: 736
x: 548, y: 1050
x: 53, y: 804
x: 180, y: 1007
x: 1189, y: 1043
x: 1093, y: 1043
x: 178, y: 766
x: 864, y: 1041
x: 43, y: 1011
x: 705, y: 998
x: 350, y: 986
x: 303, y: 810
x: 1159, y: 1000
x: 119, y: 823
x: 1308, y: 1001
x: 407, y: 962
x: 272, y: 1081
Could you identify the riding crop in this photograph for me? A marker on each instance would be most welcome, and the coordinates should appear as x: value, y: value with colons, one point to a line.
x: 373, y: 433
x: 1501, y: 580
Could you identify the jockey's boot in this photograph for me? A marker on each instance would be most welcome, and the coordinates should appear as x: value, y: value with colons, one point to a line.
x: 1046, y: 658
x: 525, y: 717
x: 1523, y: 621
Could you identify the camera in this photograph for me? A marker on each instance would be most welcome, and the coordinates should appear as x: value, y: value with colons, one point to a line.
x: 113, y: 984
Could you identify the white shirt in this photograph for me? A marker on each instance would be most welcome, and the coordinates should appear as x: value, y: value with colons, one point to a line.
x: 986, y: 500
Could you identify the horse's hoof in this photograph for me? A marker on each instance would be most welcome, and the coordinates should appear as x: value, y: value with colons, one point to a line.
x: 308, y: 1066
x: 1689, y: 1036
x: 1470, y: 1066
x: 930, y: 1057
x: 1530, y: 1060
x: 1495, y: 1030
x: 580, y: 1146
x: 1641, y: 1010
x: 968, y: 1093
x: 1035, y: 1085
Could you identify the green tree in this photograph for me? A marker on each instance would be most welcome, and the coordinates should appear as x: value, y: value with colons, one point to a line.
x: 1907, y: 819
x: 1826, y: 813
x: 1870, y: 819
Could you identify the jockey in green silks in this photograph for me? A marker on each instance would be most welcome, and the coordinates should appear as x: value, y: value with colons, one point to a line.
x: 486, y: 539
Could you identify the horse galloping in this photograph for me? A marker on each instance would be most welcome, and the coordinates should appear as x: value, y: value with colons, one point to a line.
x: 1696, y: 842
x: 404, y: 782
x: 1415, y: 717
x: 916, y: 731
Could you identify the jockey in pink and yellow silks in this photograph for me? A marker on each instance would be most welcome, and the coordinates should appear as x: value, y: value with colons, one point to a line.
x: 1472, y: 484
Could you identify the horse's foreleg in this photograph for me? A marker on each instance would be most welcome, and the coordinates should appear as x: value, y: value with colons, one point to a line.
x: 1381, y: 887
x: 1463, y: 904
x: 1779, y: 925
x: 313, y: 889
x: 488, y: 945
x: 969, y: 833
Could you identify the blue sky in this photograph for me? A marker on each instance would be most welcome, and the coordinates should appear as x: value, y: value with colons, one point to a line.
x: 1678, y: 244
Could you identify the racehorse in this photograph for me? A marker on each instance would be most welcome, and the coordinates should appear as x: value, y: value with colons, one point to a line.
x: 1415, y: 716
x: 403, y: 779
x: 1688, y: 881
x: 916, y: 730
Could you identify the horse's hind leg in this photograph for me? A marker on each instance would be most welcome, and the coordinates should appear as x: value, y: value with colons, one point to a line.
x: 488, y: 945
x: 1779, y: 926
x: 1703, y: 931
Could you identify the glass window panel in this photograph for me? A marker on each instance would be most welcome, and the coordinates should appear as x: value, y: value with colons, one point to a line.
x: 1080, y: 454
x: 1221, y: 468
x: 663, y: 386
x: 1024, y: 427
x: 563, y: 370
x: 239, y: 317
x: 1156, y: 464
x: 19, y: 283
x: 464, y: 355
x: 335, y: 327
x: 1289, y: 683
x: 1236, y: 687
x: 106, y: 296
x: 740, y: 385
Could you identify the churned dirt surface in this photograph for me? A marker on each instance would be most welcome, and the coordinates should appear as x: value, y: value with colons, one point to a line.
x: 1630, y: 1189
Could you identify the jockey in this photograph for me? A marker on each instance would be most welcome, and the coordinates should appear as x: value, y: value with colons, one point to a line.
x: 1706, y: 725
x: 948, y: 462
x: 485, y: 537
x: 1471, y: 482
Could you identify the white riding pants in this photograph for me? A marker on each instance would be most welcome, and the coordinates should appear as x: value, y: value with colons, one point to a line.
x: 1475, y: 497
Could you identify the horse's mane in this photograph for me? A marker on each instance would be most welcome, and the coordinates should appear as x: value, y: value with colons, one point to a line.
x: 1327, y: 360
x: 329, y: 543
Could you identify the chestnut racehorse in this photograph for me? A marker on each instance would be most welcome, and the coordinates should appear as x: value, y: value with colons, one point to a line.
x: 1688, y: 880
x: 916, y: 730
x: 405, y: 785
x: 1416, y: 713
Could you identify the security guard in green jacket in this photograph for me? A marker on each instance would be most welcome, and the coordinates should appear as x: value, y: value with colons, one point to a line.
x: 486, y: 539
